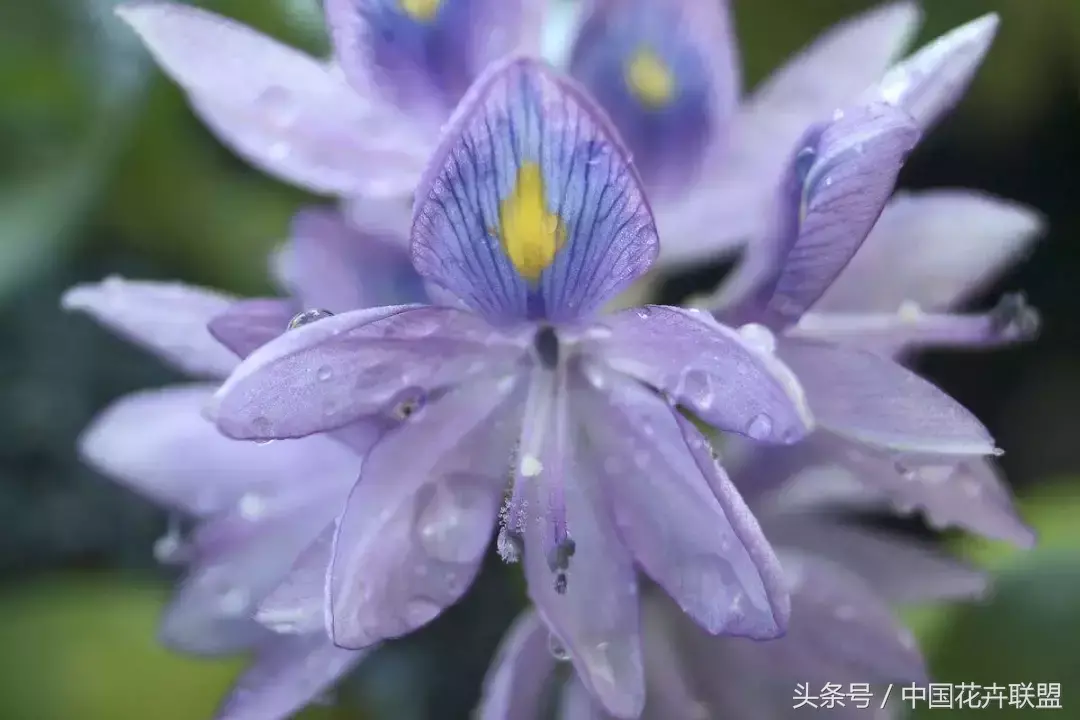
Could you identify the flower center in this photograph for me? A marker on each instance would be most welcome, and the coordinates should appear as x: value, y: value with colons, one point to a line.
x: 649, y: 78
x: 422, y: 10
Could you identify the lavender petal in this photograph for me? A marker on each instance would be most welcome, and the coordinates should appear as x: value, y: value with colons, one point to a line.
x: 285, y: 112
x: 331, y: 373
x: 729, y: 379
x: 247, y: 325
x: 679, y: 515
x: 168, y: 319
x: 873, y: 400
x: 437, y: 482
x: 519, y: 677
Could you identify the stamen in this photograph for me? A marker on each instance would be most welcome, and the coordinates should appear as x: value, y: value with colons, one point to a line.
x: 1014, y: 317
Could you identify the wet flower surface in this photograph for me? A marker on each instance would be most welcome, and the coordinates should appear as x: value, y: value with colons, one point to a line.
x: 528, y: 219
x: 257, y: 507
x: 834, y: 261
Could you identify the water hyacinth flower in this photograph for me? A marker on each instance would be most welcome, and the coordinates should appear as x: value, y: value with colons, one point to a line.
x: 892, y: 430
x: 527, y: 220
x: 257, y: 508
x: 361, y: 124
x: 842, y: 578
x: 668, y: 74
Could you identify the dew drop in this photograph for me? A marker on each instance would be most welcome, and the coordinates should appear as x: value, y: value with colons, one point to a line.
x: 264, y: 441
x: 696, y: 386
x: 557, y: 649
x: 454, y: 523
x: 324, y: 373
x: 837, y: 115
x: 760, y: 427
x: 170, y: 547
x: 644, y: 312
x: 307, y: 317
x: 758, y: 337
x: 828, y: 182
x: 804, y: 163
x: 531, y: 466
x: 251, y: 507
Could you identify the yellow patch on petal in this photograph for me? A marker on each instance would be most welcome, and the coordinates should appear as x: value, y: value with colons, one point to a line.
x: 422, y: 10
x: 530, y: 234
x: 649, y: 78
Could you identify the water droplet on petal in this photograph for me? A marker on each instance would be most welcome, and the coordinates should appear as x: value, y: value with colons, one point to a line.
x: 557, y: 649
x: 758, y: 337
x: 421, y: 611
x: 251, y: 507
x: 531, y: 466
x: 455, y: 517
x: 324, y: 373
x: 837, y: 115
x: 828, y: 182
x: 644, y: 312
x: 804, y: 163
x: 696, y: 387
x: 307, y: 317
x: 760, y: 427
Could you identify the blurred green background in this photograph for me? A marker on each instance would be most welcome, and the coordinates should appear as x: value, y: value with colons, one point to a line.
x: 104, y: 170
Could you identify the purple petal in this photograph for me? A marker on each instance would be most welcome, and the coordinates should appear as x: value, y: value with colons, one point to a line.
x: 424, y: 55
x: 730, y: 204
x: 840, y: 629
x: 930, y: 82
x: 1011, y: 321
x: 531, y: 208
x: 901, y: 569
x: 591, y: 605
x: 285, y: 112
x: 679, y: 515
x: 829, y: 73
x: 420, y: 518
x: 837, y: 184
x: 871, y: 399
x: 667, y: 73
x: 168, y: 319
x: 575, y: 702
x: 180, y: 459
x: 517, y: 682
x: 227, y: 586
x: 247, y: 325
x: 933, y: 248
x: 289, y: 672
x: 963, y: 491
x: 331, y: 373
x: 298, y: 604
x: 330, y: 265
x: 731, y: 380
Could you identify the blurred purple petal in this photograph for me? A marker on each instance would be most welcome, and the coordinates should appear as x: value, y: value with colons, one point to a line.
x: 298, y: 604
x: 837, y: 183
x: 285, y: 112
x: 933, y: 248
x: 228, y: 585
x: 729, y: 205
x: 168, y: 319
x: 874, y: 400
x: 692, y: 534
x: 422, y: 56
x: 840, y: 629
x: 667, y: 74
x: 158, y: 443
x: 967, y: 492
x: 575, y: 702
x: 329, y: 264
x: 830, y: 72
x: 247, y: 325
x: 287, y: 674
x: 901, y: 569
x: 530, y: 209
x: 418, y: 521
x: 729, y: 379
x: 593, y: 616
x: 1011, y: 321
x: 519, y: 678
x: 330, y: 373
x: 931, y: 81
